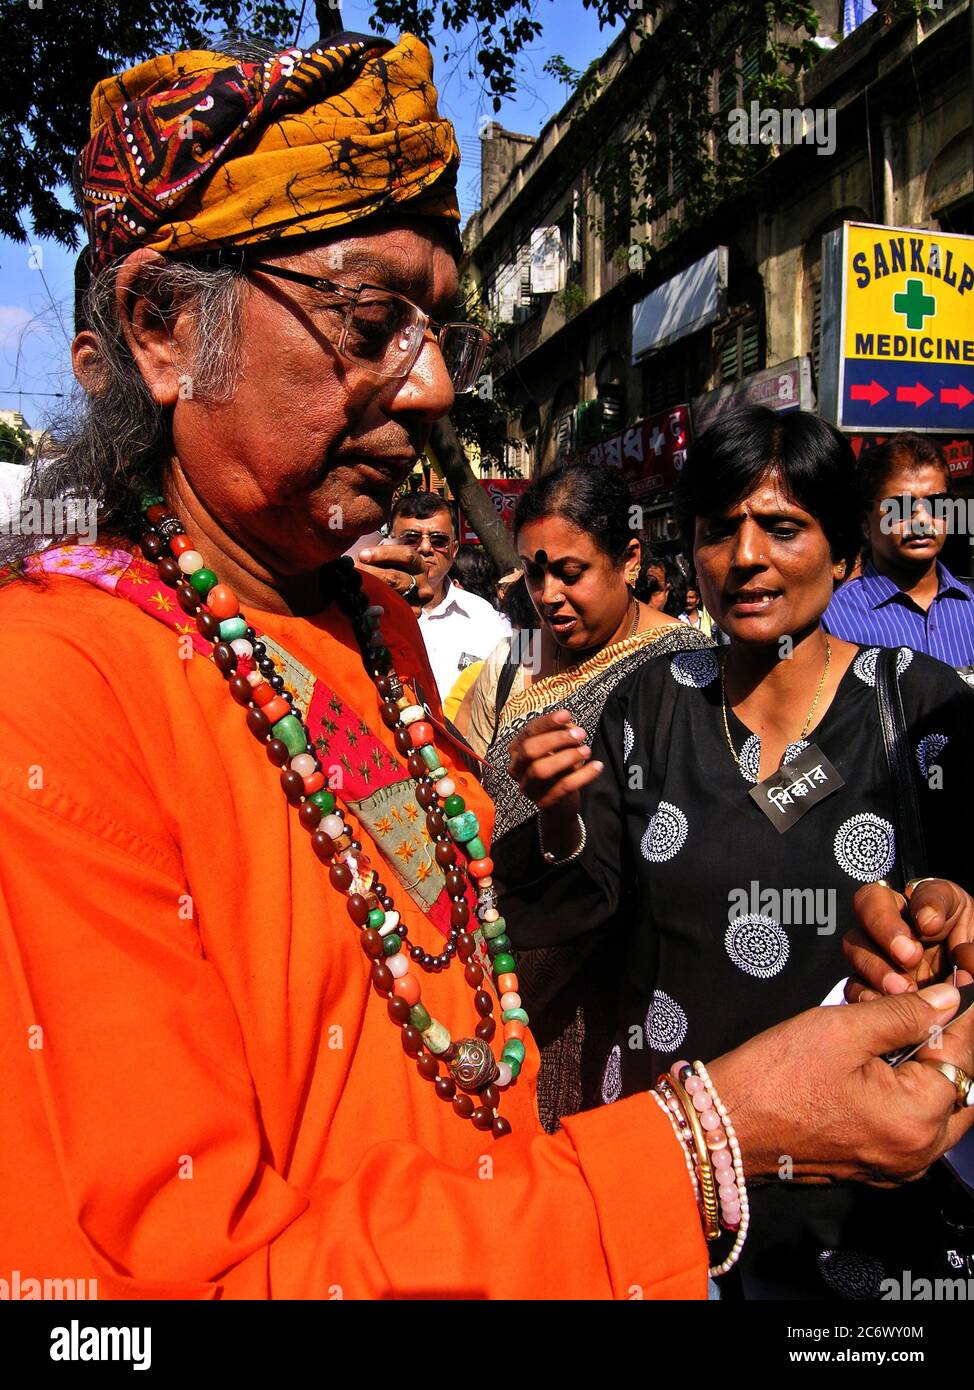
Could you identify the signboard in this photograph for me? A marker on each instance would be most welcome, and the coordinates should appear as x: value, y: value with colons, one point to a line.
x: 503, y: 492
x: 785, y: 387
x: 650, y: 453
x: 960, y: 458
x: 897, y: 329
x: 680, y: 306
x: 959, y: 453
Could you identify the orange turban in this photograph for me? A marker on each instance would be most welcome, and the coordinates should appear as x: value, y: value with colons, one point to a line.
x: 197, y: 150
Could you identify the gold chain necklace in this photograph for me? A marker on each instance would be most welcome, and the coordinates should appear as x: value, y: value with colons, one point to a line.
x: 808, y: 717
x: 631, y: 633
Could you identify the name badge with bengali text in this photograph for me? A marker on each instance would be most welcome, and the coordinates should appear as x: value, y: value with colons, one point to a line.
x: 796, y: 787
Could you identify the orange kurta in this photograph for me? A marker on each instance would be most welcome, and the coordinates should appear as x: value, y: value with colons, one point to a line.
x: 203, y: 1096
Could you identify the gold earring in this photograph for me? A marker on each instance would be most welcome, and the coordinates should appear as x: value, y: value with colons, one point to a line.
x: 631, y: 580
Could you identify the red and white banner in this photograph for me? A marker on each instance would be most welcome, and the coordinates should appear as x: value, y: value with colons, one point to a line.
x: 650, y: 453
x: 503, y: 493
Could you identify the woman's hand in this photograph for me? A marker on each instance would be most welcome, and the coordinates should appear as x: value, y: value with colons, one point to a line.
x: 550, y: 764
x: 812, y: 1100
x: 900, y: 946
x: 401, y: 567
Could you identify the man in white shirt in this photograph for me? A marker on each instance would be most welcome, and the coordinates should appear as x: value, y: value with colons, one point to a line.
x: 457, y: 626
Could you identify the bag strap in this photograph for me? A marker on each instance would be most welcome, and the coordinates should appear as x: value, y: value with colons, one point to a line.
x: 911, y: 843
x: 505, y: 682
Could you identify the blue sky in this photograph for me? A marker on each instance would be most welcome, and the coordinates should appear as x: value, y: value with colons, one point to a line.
x: 36, y: 283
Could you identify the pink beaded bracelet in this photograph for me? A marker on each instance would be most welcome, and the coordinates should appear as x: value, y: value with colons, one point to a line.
x: 738, y: 1166
x: 715, y: 1138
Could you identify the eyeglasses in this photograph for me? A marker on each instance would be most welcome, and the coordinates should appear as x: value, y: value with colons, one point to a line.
x: 439, y: 540
x: 382, y: 332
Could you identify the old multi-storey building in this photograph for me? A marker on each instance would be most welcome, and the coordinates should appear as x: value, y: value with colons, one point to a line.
x: 731, y: 297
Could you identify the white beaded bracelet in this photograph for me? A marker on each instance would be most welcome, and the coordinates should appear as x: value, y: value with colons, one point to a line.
x: 549, y: 858
x: 683, y: 1140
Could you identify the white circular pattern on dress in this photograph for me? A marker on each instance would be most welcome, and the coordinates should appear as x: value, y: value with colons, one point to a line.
x: 695, y: 669
x: 757, y: 945
x: 929, y: 750
x: 865, y: 847
x: 864, y: 665
x: 795, y: 750
x: 749, y: 758
x: 666, y: 1023
x: 612, y: 1076
x: 665, y: 834
x: 628, y: 739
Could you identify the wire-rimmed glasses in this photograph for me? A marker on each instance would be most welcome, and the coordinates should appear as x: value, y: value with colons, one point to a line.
x: 382, y: 331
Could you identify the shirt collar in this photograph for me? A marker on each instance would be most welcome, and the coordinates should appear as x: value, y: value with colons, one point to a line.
x: 452, y: 599
x: 882, y: 590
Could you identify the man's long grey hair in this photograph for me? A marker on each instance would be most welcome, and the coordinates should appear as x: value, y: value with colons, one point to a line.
x: 113, y: 442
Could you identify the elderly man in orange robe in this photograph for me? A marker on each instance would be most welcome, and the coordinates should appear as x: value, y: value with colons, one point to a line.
x: 261, y: 1031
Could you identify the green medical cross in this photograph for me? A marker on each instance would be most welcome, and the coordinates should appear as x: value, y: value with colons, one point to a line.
x: 914, y: 304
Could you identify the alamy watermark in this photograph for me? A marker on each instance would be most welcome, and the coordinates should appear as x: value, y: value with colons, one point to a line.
x: 54, y: 516
x: 764, y: 125
x: 525, y: 649
x: 927, y: 515
x: 77, y: 1343
x: 25, y: 1288
x: 785, y: 907
x: 911, y: 1289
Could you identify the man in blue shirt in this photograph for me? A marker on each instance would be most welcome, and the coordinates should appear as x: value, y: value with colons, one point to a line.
x: 904, y: 596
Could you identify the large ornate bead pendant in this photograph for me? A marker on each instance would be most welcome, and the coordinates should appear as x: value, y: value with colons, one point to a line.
x: 473, y: 1066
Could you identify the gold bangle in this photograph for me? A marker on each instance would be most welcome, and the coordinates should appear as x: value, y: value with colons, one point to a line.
x: 708, y: 1188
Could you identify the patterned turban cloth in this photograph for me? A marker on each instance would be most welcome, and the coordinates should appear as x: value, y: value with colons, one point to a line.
x: 196, y: 150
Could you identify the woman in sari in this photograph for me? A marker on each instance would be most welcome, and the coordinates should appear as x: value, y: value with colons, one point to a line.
x: 581, y: 560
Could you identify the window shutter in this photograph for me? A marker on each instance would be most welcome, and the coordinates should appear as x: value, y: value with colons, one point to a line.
x: 726, y: 90
x: 750, y: 71
x: 728, y: 359
x: 524, y: 267
x: 612, y: 395
x: 564, y: 432
x: 749, y: 349
x: 665, y: 387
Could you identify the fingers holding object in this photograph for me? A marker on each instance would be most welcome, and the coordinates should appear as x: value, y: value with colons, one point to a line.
x: 873, y: 969
x: 937, y: 906
x: 882, y: 926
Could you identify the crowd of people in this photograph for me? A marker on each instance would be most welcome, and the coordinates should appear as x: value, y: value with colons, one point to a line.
x: 325, y: 881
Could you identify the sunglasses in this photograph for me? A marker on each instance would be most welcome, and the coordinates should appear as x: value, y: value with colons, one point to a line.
x: 439, y: 540
x: 381, y: 331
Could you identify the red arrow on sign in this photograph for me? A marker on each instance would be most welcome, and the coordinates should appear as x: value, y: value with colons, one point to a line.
x: 956, y: 395
x: 918, y: 395
x: 873, y: 393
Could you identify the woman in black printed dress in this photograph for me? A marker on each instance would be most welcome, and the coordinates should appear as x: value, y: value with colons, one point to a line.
x: 712, y: 900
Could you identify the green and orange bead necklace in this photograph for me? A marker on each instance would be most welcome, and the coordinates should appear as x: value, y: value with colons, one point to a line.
x: 473, y: 1080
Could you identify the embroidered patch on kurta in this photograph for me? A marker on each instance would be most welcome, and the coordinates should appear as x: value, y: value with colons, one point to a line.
x: 398, y: 826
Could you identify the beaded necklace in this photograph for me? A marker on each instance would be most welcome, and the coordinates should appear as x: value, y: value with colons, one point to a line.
x: 473, y: 1081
